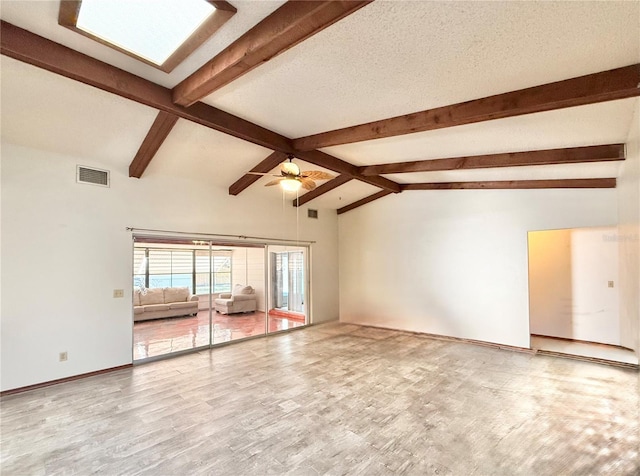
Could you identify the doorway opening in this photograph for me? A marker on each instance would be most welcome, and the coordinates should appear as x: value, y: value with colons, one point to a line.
x: 288, y: 285
x: 573, y: 298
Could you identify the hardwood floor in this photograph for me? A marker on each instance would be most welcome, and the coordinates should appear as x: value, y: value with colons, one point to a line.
x: 164, y: 336
x: 332, y: 399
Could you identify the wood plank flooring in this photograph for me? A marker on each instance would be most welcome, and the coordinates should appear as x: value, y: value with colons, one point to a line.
x: 332, y: 399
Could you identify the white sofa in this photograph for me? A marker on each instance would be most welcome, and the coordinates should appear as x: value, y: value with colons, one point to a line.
x: 157, y: 303
x: 242, y: 299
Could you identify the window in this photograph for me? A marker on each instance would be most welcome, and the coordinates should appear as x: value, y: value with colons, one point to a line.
x: 192, y: 268
x: 203, y: 272
x: 288, y: 280
x: 140, y: 271
x: 221, y: 273
x: 170, y: 268
x: 161, y: 35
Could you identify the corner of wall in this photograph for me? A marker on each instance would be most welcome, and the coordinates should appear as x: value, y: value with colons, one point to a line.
x: 629, y: 237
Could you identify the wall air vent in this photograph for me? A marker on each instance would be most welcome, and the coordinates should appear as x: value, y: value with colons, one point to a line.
x: 92, y: 176
x: 312, y: 213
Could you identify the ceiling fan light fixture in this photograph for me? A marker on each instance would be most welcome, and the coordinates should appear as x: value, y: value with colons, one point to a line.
x: 290, y: 168
x: 290, y: 185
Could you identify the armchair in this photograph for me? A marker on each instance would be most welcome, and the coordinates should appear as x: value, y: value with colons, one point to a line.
x: 242, y: 299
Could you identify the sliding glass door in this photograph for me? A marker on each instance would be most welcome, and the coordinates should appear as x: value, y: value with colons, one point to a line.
x: 193, y: 294
x: 288, y: 285
x: 239, y: 310
x: 173, y: 287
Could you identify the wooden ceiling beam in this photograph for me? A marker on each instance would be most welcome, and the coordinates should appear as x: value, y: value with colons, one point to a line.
x: 38, y: 51
x: 43, y: 53
x: 515, y: 184
x: 328, y: 161
x: 289, y: 25
x: 335, y: 164
x: 382, y: 182
x: 364, y: 201
x: 322, y: 189
x: 268, y: 164
x: 609, y: 85
x: 491, y: 185
x: 321, y: 159
x: 571, y: 155
x: 159, y: 131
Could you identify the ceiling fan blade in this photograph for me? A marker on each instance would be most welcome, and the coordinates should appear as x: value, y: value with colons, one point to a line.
x: 317, y: 175
x: 308, y: 183
x: 273, y: 182
x: 258, y: 173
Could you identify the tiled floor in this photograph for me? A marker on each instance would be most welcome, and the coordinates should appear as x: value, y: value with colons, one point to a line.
x: 586, y: 349
x: 337, y: 400
x: 163, y: 336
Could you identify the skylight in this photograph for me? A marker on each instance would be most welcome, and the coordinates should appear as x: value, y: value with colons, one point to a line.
x: 150, y: 30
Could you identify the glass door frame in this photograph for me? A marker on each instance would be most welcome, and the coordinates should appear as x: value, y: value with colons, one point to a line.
x: 238, y: 241
x: 307, y: 296
x: 172, y: 240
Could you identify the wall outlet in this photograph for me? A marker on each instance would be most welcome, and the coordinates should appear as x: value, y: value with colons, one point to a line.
x: 118, y: 293
x: 63, y: 356
x: 610, y: 284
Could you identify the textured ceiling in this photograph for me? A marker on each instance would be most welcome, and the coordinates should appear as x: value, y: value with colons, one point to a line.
x: 394, y: 58
x: 386, y: 59
x: 193, y: 151
x: 594, y: 124
x: 41, y: 17
x: 344, y: 195
x: 47, y: 111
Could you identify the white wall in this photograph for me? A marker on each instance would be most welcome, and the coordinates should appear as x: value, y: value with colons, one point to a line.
x: 569, y: 293
x: 454, y: 262
x: 629, y: 238
x: 65, y: 249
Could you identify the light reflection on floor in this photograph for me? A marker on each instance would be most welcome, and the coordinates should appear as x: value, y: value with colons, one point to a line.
x: 163, y: 336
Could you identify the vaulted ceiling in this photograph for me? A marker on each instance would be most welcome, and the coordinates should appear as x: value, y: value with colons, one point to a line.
x: 422, y: 81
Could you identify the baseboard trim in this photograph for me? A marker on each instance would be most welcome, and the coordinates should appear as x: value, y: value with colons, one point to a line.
x: 13, y: 391
x: 512, y: 348
x: 493, y: 345
x: 584, y: 358
x: 294, y: 316
x: 582, y: 341
x: 462, y: 340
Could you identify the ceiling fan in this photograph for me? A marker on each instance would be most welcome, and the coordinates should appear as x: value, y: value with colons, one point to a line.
x: 291, y: 178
